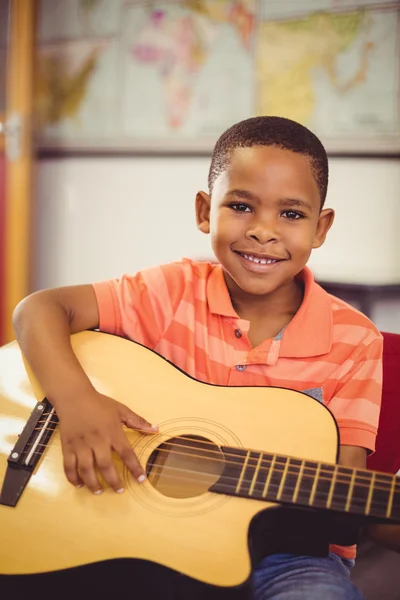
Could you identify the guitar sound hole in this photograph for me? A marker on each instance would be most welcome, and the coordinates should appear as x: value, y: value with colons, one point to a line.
x: 185, y: 466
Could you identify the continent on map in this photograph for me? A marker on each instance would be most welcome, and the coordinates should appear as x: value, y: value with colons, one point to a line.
x: 178, y: 44
x: 241, y: 15
x: 288, y: 53
x: 59, y: 89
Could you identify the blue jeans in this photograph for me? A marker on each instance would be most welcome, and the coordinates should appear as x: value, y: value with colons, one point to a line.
x: 291, y: 577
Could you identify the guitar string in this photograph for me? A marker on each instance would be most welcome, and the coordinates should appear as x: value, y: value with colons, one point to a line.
x: 359, y: 473
x: 274, y: 471
x: 245, y: 450
x: 267, y: 462
x: 366, y: 477
x: 355, y: 502
x: 252, y: 458
x: 389, y: 477
x: 375, y: 504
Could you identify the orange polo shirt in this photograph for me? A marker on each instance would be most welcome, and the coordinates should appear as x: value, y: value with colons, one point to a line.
x: 329, y: 350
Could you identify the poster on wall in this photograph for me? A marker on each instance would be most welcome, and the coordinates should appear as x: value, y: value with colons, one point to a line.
x: 171, y: 76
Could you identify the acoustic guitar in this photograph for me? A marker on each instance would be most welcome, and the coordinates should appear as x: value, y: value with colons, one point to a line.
x: 227, y: 464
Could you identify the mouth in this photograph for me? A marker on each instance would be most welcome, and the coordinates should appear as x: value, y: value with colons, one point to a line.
x: 259, y: 264
x: 259, y: 259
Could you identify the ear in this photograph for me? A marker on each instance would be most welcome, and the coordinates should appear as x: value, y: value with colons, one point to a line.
x: 325, y: 221
x: 203, y: 203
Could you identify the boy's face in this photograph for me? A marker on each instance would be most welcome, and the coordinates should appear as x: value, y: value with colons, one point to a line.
x: 264, y: 218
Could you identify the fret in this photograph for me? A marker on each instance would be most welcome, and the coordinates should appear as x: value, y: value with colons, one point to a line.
x: 314, y: 487
x: 306, y: 484
x: 298, y: 484
x: 341, y: 489
x: 243, y: 471
x: 332, y: 487
x: 276, y: 478
x: 256, y: 472
x: 370, y: 492
x: 269, y: 476
x: 234, y: 459
x: 360, y: 492
x: 291, y: 480
x: 350, y: 492
x: 324, y: 484
x: 250, y: 475
x: 380, y: 495
x: 283, y: 479
x: 390, y: 503
x: 395, y: 512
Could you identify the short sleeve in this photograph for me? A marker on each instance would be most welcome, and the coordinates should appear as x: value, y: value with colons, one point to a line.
x: 357, y: 398
x: 140, y: 307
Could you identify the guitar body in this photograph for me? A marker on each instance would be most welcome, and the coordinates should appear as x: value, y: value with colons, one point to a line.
x: 161, y: 533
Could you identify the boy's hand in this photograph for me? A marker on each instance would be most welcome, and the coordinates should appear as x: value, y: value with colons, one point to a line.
x: 90, y: 431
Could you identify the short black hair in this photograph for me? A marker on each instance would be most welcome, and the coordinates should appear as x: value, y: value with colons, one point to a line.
x: 271, y: 131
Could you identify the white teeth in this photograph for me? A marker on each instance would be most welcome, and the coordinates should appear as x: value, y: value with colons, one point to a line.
x: 261, y: 261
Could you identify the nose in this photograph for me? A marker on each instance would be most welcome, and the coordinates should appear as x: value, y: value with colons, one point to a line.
x: 263, y: 230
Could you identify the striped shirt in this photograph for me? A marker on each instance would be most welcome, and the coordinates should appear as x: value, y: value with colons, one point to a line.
x: 183, y: 311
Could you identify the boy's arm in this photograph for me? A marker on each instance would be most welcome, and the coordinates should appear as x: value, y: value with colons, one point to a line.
x: 387, y: 536
x: 353, y: 456
x: 43, y: 323
x: 90, y: 423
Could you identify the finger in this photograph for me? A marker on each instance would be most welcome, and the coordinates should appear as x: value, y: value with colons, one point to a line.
x: 130, y: 459
x: 70, y: 468
x: 106, y: 466
x: 87, y: 471
x: 134, y: 421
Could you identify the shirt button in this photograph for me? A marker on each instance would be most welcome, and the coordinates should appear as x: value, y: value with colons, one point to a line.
x: 238, y: 333
x: 240, y: 367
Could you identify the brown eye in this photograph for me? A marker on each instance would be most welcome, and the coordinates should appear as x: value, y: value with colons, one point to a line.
x: 239, y: 207
x: 292, y: 215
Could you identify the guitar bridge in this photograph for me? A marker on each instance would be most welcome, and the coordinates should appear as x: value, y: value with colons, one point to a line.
x: 28, y: 450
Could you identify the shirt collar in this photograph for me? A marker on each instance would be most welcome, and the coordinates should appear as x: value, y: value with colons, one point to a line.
x: 310, y: 331
x: 218, y: 298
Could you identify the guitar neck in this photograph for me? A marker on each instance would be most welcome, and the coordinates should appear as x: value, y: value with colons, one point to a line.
x: 283, y: 479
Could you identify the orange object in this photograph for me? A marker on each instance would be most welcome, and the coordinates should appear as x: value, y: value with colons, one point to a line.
x: 183, y: 311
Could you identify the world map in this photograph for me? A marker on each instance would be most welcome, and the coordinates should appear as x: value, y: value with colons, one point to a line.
x: 174, y: 75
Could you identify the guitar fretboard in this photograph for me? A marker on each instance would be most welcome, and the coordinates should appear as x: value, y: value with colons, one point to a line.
x: 275, y: 478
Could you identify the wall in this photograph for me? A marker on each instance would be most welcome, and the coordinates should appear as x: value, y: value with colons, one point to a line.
x: 99, y: 217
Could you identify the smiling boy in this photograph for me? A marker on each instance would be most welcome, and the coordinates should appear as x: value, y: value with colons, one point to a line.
x: 255, y: 318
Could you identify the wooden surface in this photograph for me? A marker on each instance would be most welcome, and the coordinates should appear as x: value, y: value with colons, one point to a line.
x: 55, y: 525
x: 19, y: 99
x: 2, y: 228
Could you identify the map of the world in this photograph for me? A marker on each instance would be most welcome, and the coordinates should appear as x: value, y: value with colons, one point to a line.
x: 173, y: 75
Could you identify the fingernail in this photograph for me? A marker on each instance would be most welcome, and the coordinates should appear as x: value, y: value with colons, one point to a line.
x: 97, y: 492
x: 154, y: 426
x: 141, y: 478
x: 79, y: 485
x: 120, y: 491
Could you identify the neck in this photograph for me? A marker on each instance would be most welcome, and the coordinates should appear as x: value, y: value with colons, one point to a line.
x: 286, y: 300
x: 274, y: 478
